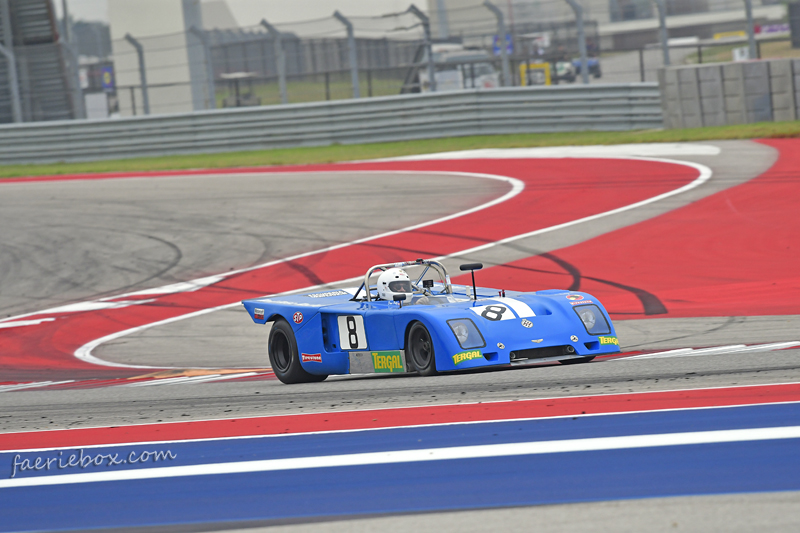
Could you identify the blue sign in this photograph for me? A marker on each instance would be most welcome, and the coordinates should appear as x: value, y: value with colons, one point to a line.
x: 509, y: 44
x: 107, y: 78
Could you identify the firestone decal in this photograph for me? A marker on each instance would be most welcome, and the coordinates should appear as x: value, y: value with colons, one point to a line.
x: 582, y: 303
x: 258, y: 313
x: 608, y: 340
x: 388, y: 362
x: 298, y: 317
x: 467, y: 356
x: 312, y: 358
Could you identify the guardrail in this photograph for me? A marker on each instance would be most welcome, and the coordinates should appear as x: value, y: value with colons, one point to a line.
x: 384, y: 119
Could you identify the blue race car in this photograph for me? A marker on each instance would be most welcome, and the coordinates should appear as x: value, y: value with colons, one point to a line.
x: 427, y: 326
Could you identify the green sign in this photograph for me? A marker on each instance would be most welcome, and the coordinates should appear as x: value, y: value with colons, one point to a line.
x: 388, y: 362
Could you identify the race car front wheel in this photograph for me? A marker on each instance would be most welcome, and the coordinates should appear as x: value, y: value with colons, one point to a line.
x: 420, y: 348
x: 283, y: 355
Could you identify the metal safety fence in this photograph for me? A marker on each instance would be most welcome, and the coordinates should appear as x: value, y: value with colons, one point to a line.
x: 379, y: 119
x: 452, y: 46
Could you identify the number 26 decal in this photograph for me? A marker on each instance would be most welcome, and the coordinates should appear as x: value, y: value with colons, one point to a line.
x: 352, y: 335
x: 493, y: 312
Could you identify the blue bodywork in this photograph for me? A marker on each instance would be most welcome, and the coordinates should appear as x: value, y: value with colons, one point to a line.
x: 515, y: 328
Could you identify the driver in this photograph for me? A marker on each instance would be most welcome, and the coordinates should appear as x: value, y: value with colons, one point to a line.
x: 392, y: 282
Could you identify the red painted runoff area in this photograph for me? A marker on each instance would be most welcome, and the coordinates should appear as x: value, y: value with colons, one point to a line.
x: 556, y: 191
x: 735, y: 253
x: 404, y: 417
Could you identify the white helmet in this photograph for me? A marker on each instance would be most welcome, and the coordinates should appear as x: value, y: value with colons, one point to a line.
x: 392, y: 282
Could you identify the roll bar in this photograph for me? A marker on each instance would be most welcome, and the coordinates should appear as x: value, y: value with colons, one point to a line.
x: 436, y: 265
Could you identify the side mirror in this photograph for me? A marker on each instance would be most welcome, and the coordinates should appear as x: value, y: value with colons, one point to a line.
x: 399, y: 298
x: 427, y: 283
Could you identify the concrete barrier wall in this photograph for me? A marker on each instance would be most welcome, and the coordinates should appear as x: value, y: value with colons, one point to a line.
x: 730, y: 93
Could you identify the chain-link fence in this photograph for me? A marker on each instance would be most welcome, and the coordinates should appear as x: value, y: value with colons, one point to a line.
x: 469, y: 45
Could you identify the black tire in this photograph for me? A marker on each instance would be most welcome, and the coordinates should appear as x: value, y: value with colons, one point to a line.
x: 576, y: 361
x: 284, y: 358
x: 419, y: 348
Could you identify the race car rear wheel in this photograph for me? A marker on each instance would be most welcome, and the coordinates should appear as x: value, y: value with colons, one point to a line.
x: 576, y: 361
x: 283, y: 355
x: 420, y: 348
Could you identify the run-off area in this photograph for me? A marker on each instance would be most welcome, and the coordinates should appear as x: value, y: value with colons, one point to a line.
x: 743, y: 296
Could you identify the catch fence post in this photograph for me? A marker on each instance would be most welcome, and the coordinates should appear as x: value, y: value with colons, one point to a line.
x: 662, y: 29
x: 142, y: 74
x: 426, y: 27
x: 576, y: 7
x: 501, y: 36
x: 280, y: 59
x: 751, y: 29
x: 211, y: 88
x: 351, y: 45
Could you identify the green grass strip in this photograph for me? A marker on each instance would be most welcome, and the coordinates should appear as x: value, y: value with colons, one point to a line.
x: 353, y: 152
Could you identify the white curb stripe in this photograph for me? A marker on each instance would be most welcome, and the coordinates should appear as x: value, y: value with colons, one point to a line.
x: 431, y: 454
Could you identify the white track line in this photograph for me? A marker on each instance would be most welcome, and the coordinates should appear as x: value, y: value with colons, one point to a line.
x: 718, y: 350
x: 21, y: 386
x: 569, y: 152
x: 183, y: 380
x: 21, y: 323
x: 430, y: 454
x: 171, y: 381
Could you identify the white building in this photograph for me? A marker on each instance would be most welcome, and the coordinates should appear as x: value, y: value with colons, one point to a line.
x: 177, y: 77
x: 622, y: 24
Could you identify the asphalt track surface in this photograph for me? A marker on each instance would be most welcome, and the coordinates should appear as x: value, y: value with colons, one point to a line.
x: 74, y: 244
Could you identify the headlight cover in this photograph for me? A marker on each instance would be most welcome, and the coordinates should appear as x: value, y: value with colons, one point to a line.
x: 467, y: 334
x: 593, y: 319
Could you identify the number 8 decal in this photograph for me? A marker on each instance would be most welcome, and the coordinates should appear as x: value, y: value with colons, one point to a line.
x: 493, y: 313
x: 352, y: 335
x: 352, y: 332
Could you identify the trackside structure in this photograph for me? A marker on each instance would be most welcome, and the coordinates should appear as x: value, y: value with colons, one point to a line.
x: 730, y: 93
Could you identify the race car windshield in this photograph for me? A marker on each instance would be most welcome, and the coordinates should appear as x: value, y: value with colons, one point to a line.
x: 400, y: 286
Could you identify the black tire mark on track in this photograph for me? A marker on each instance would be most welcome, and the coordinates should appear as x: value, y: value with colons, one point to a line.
x: 731, y: 321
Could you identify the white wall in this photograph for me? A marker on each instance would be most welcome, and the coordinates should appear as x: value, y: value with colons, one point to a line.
x: 171, y: 58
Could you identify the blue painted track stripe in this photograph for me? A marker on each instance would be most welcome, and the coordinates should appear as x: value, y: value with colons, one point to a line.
x: 275, y: 447
x: 437, y: 485
x: 423, y: 455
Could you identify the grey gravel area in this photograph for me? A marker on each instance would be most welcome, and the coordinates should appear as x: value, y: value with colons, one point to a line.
x: 731, y: 513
